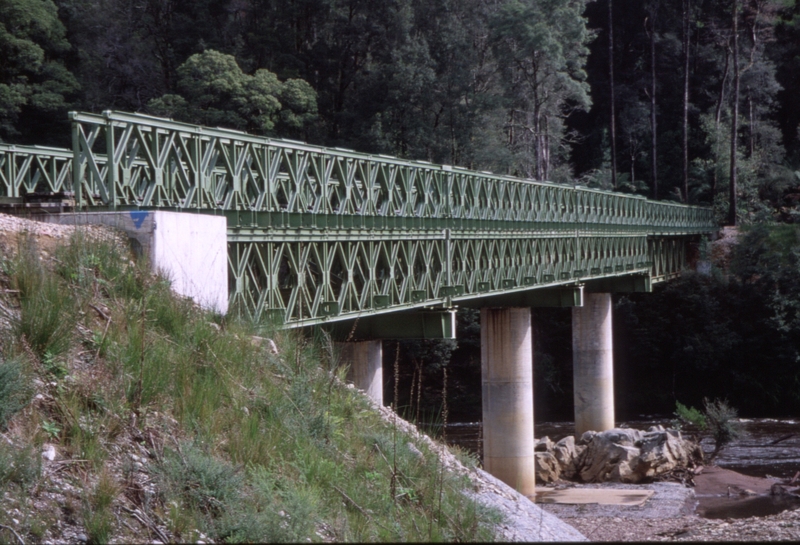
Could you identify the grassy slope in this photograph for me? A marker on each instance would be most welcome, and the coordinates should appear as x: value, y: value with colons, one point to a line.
x: 168, y: 422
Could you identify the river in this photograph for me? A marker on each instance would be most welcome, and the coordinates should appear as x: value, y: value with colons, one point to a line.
x: 769, y: 447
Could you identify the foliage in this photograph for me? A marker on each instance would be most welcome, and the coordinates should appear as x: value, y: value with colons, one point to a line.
x: 34, y: 82
x: 214, y: 91
x: 15, y: 390
x: 717, y: 419
x: 47, y: 311
x: 542, y: 49
x: 98, y: 517
x: 502, y: 86
x: 719, y: 335
x: 689, y: 416
x: 721, y: 420
x: 19, y: 466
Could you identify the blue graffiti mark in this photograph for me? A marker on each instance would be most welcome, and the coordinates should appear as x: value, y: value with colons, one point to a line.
x: 138, y: 218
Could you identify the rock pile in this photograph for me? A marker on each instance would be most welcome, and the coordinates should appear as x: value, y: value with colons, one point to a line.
x: 619, y: 455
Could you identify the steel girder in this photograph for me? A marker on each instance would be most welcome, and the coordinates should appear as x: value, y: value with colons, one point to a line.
x: 318, y: 235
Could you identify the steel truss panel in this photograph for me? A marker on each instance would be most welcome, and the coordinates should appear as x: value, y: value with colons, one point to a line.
x: 34, y: 169
x: 304, y: 282
x: 160, y: 163
x: 318, y: 235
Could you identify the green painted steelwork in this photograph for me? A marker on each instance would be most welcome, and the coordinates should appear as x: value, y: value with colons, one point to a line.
x: 318, y: 235
x: 415, y: 324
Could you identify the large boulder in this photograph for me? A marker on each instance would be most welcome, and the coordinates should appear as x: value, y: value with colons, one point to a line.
x: 605, y: 451
x: 663, y: 451
x: 547, y: 467
x: 567, y: 453
x: 619, y: 455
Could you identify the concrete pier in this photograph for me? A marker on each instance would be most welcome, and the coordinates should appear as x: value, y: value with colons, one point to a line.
x: 593, y: 364
x: 365, y: 359
x: 507, y: 377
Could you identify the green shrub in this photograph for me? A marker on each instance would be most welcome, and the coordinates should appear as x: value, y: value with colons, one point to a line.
x: 689, y: 417
x: 718, y: 420
x: 15, y: 390
x: 722, y: 421
x: 201, y: 481
x: 21, y: 466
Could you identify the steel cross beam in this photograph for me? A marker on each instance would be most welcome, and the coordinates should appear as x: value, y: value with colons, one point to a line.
x: 318, y: 234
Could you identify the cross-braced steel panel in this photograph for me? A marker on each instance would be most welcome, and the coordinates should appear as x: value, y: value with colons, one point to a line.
x: 152, y: 162
x: 320, y: 234
x: 34, y: 169
x: 307, y: 279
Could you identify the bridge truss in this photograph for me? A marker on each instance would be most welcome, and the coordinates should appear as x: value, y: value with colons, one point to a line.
x: 318, y: 234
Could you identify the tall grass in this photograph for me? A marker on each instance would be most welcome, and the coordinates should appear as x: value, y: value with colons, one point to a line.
x: 256, y: 446
x: 15, y: 390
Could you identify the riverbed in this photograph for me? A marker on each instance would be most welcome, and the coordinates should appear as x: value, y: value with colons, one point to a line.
x: 769, y: 448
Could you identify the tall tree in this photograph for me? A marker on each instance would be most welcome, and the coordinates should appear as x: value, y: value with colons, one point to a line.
x: 542, y: 50
x: 685, y: 122
x: 613, y: 94
x: 35, y: 85
x: 732, y: 193
x: 652, y: 94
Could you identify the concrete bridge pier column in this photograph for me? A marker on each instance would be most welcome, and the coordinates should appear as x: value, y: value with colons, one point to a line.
x: 507, y: 376
x: 365, y: 359
x: 593, y: 364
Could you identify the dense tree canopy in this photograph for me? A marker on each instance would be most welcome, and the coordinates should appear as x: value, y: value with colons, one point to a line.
x: 214, y: 91
x: 35, y: 85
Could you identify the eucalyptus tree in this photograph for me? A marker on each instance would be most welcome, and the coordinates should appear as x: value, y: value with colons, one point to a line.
x: 213, y: 90
x: 35, y: 84
x: 541, y: 47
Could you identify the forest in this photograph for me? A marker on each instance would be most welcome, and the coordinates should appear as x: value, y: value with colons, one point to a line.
x: 688, y: 100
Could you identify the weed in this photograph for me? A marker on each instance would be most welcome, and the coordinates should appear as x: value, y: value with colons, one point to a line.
x: 20, y: 466
x: 52, y: 429
x: 98, y: 517
x: 15, y: 390
x: 54, y: 366
x: 199, y: 482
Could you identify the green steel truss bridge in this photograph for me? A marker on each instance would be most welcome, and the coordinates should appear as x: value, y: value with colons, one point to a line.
x: 321, y: 235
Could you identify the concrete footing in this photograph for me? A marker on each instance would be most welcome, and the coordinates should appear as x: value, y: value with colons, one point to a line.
x: 593, y: 364
x: 365, y: 359
x: 507, y: 377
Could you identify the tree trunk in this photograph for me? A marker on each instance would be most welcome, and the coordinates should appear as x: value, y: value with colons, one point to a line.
x: 752, y: 146
x: 653, y: 138
x: 734, y: 115
x: 686, y: 9
x: 611, y: 83
x: 717, y: 121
